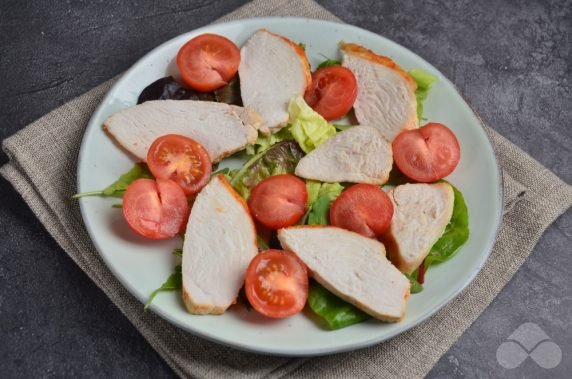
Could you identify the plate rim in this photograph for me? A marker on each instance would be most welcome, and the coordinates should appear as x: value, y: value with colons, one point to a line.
x: 278, y: 351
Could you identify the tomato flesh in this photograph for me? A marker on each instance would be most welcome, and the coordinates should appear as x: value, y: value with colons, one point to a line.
x: 155, y: 209
x: 364, y: 209
x: 182, y: 160
x: 276, y: 283
x: 427, y: 154
x: 333, y: 91
x: 208, y: 62
x: 278, y: 201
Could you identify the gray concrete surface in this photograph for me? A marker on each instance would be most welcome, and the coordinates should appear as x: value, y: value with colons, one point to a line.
x: 512, y: 60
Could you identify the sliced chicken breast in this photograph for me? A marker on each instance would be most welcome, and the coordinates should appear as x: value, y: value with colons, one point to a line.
x: 420, y: 214
x: 221, y: 128
x: 272, y: 71
x: 220, y: 242
x: 386, y: 93
x: 358, y: 155
x: 351, y: 266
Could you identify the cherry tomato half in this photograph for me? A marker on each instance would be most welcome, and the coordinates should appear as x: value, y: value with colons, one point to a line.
x: 208, y: 62
x: 155, y: 209
x: 276, y: 283
x: 333, y: 91
x: 364, y: 209
x: 426, y: 154
x: 278, y: 201
x: 180, y: 159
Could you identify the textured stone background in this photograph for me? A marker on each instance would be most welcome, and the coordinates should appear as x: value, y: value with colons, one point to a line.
x: 512, y: 60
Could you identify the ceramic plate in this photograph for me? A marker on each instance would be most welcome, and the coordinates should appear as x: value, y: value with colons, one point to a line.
x: 142, y: 265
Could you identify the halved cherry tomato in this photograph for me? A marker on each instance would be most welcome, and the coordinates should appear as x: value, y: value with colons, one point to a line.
x: 333, y: 91
x: 278, y: 201
x: 426, y: 154
x: 155, y: 209
x: 364, y: 209
x: 180, y: 159
x: 208, y: 62
x: 276, y: 283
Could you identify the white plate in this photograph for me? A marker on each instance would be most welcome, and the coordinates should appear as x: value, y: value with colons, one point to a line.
x: 142, y: 265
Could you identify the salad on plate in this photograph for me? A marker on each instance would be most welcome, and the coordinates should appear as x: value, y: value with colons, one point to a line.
x: 340, y: 204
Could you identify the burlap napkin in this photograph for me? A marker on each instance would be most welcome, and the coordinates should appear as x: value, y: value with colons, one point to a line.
x: 42, y: 168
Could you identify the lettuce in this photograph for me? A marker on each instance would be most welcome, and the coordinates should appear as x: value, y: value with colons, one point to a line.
x: 455, y: 235
x: 320, y: 198
x: 264, y: 142
x: 281, y: 158
x: 335, y: 312
x: 307, y: 127
x: 424, y: 82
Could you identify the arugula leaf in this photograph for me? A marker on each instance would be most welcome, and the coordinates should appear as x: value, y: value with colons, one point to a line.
x: 174, y: 282
x: 302, y: 45
x: 336, y: 312
x: 281, y: 158
x: 329, y: 62
x: 227, y: 172
x: 262, y: 245
x: 455, y: 235
x: 117, y: 188
x: 424, y: 82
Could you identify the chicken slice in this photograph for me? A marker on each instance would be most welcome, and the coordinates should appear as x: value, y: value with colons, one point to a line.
x: 352, y: 267
x: 221, y: 128
x: 358, y: 155
x: 421, y: 213
x: 220, y: 242
x: 272, y: 71
x: 386, y: 93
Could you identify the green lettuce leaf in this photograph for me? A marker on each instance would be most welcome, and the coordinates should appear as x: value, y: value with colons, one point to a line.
x: 173, y: 283
x: 416, y: 287
x: 319, y: 213
x: 424, y: 82
x: 328, y: 63
x: 455, y: 235
x: 281, y: 158
x: 264, y: 142
x: 334, y: 311
x: 307, y: 127
x: 117, y: 188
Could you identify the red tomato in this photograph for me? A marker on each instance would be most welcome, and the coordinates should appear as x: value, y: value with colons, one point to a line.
x: 180, y: 159
x: 276, y: 283
x: 426, y: 154
x: 155, y: 209
x: 364, y: 209
x: 208, y: 62
x: 278, y: 201
x: 333, y: 91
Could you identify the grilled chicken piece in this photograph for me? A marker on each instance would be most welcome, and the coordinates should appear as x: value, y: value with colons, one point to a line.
x: 351, y: 266
x: 358, y: 155
x: 221, y: 128
x: 220, y: 242
x: 272, y: 71
x: 386, y: 93
x: 421, y: 213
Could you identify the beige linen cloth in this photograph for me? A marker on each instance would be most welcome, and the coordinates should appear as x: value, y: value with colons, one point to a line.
x: 42, y: 168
